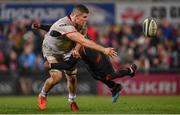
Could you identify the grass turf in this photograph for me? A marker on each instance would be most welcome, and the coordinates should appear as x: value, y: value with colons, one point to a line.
x: 92, y: 105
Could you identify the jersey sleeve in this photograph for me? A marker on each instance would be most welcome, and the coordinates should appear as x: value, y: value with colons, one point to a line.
x: 45, y: 27
x: 66, y: 29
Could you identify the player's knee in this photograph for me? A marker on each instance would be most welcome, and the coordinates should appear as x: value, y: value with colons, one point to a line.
x: 56, y: 76
x: 71, y: 77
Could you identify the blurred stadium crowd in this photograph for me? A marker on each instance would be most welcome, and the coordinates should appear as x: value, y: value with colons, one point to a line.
x: 20, y: 46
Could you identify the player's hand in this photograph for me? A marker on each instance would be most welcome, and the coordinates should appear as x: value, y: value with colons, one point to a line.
x: 46, y: 65
x: 110, y: 52
x: 76, y: 54
x: 35, y: 26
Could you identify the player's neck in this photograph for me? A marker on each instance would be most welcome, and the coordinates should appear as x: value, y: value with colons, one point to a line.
x: 72, y: 18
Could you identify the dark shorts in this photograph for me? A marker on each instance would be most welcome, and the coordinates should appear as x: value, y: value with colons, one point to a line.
x: 68, y: 64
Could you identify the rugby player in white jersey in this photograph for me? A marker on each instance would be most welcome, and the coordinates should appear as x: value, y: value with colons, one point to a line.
x: 57, y: 47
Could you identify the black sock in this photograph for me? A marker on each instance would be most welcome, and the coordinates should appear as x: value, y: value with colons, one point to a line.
x: 120, y: 73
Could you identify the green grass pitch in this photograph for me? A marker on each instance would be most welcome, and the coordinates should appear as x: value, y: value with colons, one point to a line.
x: 92, y: 105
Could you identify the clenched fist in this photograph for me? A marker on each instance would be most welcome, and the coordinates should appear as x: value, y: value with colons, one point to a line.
x: 35, y: 26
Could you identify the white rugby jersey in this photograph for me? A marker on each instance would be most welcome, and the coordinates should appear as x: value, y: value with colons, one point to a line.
x: 61, y: 44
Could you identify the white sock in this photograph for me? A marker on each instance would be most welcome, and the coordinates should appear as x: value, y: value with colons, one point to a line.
x: 131, y: 70
x: 43, y: 94
x: 71, y: 98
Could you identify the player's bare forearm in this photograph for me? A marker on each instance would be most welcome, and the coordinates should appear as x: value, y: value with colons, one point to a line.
x: 77, y: 47
x: 79, y: 38
x: 93, y: 45
x: 75, y: 51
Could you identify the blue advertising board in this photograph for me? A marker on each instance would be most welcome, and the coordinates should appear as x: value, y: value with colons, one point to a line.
x: 50, y: 12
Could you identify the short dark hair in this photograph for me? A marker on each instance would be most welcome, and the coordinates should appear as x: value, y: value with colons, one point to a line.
x: 81, y: 8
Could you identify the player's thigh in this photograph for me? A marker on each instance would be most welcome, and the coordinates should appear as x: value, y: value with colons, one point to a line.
x: 55, y: 73
x: 71, y: 73
x: 105, y: 64
x: 51, y: 59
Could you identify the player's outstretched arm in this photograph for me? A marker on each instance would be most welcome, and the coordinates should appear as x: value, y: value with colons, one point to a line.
x: 40, y: 26
x: 79, y: 38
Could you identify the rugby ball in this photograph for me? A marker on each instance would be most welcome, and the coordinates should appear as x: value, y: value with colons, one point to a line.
x: 150, y: 27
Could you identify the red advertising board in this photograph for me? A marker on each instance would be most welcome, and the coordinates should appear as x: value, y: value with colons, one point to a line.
x: 152, y: 84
